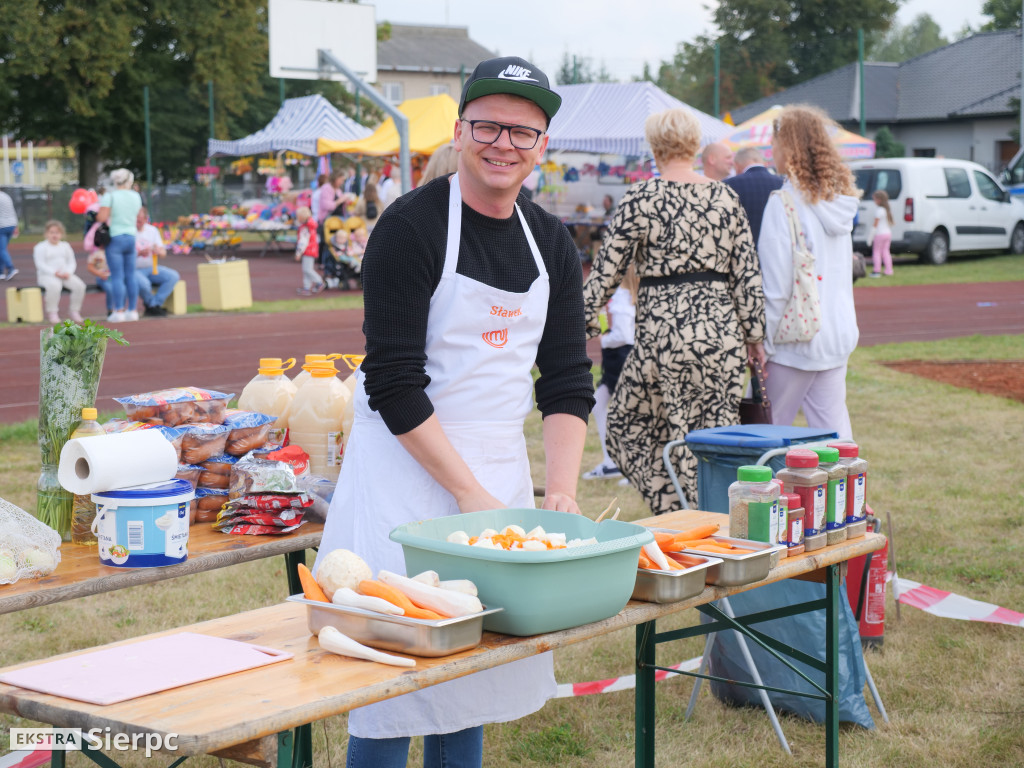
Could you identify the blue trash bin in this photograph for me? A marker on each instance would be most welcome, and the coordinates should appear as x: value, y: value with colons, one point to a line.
x: 721, y: 450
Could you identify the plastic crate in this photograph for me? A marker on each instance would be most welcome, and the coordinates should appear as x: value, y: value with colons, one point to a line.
x: 539, y: 591
x: 720, y: 451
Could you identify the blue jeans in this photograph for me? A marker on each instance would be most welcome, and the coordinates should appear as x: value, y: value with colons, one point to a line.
x: 163, y: 281
x: 121, y: 263
x: 6, y: 265
x: 464, y: 749
x: 104, y: 284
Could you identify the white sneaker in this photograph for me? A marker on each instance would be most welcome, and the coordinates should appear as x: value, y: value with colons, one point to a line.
x: 131, y: 315
x: 116, y: 316
x: 602, y: 471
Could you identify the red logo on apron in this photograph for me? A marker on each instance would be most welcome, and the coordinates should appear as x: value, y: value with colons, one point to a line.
x: 496, y: 339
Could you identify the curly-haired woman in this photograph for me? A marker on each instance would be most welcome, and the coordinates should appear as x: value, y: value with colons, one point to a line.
x: 810, y: 374
x: 699, y: 310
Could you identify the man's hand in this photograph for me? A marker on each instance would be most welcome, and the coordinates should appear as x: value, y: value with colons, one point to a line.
x: 561, y: 502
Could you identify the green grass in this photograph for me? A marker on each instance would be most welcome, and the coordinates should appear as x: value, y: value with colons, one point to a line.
x: 944, y: 463
x: 967, y: 268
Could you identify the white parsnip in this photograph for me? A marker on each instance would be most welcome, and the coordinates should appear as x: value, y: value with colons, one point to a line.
x: 351, y: 598
x: 335, y: 642
x: 653, y: 551
x: 447, y: 602
x: 465, y: 586
x: 430, y: 578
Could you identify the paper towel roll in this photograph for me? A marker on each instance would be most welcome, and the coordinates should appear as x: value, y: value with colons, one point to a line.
x: 107, y: 462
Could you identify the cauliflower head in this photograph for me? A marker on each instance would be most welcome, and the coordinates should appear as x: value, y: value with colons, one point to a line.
x: 341, y: 568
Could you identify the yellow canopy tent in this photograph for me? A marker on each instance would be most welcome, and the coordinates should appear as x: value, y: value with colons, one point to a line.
x: 431, y: 124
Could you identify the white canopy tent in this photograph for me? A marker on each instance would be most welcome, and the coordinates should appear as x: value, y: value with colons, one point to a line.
x: 296, y: 128
x: 608, y: 118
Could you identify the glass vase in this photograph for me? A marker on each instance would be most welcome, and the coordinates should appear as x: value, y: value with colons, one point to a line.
x: 69, y: 377
x: 53, y: 503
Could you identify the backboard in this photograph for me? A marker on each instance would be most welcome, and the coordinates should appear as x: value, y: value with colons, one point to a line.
x: 299, y: 28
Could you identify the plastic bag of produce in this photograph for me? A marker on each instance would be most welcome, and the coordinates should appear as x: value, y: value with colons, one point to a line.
x: 28, y: 548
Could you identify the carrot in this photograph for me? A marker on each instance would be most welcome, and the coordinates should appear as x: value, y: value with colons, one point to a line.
x: 666, y: 541
x: 645, y: 562
x: 673, y: 565
x: 714, y: 548
x: 698, y: 531
x: 310, y: 589
x: 394, y: 596
x: 691, y: 543
x: 684, y: 560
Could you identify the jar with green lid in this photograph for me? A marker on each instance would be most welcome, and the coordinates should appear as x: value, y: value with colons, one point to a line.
x: 856, y: 488
x: 802, y: 476
x: 835, y: 495
x: 754, y: 505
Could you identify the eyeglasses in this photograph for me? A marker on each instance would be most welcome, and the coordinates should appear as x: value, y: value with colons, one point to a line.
x: 488, y: 132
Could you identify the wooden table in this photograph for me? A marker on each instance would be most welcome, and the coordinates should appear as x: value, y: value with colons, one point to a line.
x: 231, y: 715
x: 80, y: 572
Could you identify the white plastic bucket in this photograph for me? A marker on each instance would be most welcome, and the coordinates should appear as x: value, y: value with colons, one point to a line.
x: 143, y: 526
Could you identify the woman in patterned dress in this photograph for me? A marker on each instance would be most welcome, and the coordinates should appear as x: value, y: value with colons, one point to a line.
x: 699, y: 315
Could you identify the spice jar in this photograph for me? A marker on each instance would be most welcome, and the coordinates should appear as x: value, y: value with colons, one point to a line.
x: 856, y: 488
x: 802, y: 477
x: 835, y: 495
x: 782, y: 511
x: 754, y: 505
x: 794, y: 531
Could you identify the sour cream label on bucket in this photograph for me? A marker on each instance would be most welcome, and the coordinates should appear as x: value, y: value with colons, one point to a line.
x: 176, y: 533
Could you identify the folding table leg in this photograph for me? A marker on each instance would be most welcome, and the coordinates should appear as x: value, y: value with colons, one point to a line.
x: 708, y: 643
x: 874, y: 693
x: 644, y: 693
x: 832, y: 587
x: 756, y: 675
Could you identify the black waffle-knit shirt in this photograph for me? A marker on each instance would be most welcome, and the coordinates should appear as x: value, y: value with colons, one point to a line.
x: 402, y: 267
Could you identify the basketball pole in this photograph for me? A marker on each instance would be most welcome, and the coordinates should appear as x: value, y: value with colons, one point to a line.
x: 328, y: 60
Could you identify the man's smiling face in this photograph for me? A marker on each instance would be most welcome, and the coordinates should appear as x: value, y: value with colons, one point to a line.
x: 498, y: 168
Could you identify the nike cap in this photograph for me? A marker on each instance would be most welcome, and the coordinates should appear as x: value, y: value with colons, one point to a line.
x: 510, y: 74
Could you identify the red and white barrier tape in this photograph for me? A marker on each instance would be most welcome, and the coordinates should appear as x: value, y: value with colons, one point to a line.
x: 25, y: 759
x: 624, y: 683
x: 948, y: 605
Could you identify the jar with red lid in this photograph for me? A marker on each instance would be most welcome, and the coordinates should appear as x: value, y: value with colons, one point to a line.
x: 802, y: 476
x: 856, y: 488
x: 835, y: 496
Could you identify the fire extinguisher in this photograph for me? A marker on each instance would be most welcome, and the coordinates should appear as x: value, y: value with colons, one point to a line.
x: 865, y: 589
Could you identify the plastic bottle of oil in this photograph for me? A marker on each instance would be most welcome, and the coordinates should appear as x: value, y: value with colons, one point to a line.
x: 270, y: 391
x: 316, y: 419
x: 83, y: 509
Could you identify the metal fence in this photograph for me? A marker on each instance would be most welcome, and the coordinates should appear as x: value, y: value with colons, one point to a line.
x: 37, y: 205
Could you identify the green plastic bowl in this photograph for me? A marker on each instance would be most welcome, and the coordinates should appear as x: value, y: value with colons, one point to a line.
x: 539, y: 591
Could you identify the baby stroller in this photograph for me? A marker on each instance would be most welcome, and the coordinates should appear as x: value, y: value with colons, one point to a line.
x: 340, y: 269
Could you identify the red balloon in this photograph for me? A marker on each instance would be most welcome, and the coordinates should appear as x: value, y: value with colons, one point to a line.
x: 78, y: 203
x: 91, y: 197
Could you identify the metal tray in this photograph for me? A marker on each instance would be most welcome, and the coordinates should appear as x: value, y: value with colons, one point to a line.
x: 417, y: 637
x: 735, y: 570
x: 672, y: 586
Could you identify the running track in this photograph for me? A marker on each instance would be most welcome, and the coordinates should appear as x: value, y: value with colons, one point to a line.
x: 221, y: 351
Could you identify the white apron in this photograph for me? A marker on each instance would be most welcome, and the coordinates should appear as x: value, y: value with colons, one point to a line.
x: 481, y: 345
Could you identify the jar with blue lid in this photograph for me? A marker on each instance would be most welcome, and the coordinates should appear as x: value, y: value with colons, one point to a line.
x: 143, y: 526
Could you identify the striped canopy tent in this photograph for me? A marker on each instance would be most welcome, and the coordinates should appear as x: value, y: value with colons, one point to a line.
x: 431, y: 124
x: 757, y: 132
x: 296, y: 128
x: 608, y: 118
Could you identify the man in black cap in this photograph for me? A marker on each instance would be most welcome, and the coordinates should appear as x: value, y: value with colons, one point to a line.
x: 467, y: 284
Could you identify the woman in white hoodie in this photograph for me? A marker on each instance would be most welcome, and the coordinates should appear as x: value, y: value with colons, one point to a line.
x: 810, y: 374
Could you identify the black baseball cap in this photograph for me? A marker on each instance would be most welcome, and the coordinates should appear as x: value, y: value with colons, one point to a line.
x: 510, y: 74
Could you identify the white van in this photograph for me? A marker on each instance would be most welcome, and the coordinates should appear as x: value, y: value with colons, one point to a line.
x: 939, y: 207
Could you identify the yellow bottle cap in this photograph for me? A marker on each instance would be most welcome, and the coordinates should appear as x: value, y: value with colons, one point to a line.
x: 322, y: 369
x: 273, y: 366
x: 89, y: 414
x: 315, y: 359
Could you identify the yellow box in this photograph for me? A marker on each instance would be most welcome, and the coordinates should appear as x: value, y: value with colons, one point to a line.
x: 177, y: 302
x: 225, y: 285
x: 24, y: 305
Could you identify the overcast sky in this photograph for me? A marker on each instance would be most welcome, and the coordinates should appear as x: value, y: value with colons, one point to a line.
x: 622, y: 35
